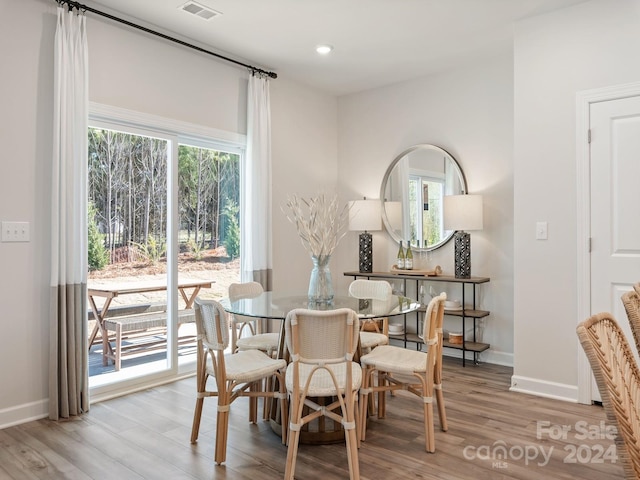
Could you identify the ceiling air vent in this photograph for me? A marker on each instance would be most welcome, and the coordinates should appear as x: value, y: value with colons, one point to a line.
x: 199, y: 10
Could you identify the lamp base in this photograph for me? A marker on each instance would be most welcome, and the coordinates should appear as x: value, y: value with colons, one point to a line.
x: 366, y: 252
x: 462, y: 254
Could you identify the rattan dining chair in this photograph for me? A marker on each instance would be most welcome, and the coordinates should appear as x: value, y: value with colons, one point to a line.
x: 266, y: 342
x: 322, y: 345
x: 236, y: 375
x: 418, y: 372
x: 373, y: 331
x: 631, y: 302
x: 618, y: 379
x: 255, y: 340
x: 636, y: 287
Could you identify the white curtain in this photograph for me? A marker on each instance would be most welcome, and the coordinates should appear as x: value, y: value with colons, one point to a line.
x: 256, y: 260
x: 68, y: 374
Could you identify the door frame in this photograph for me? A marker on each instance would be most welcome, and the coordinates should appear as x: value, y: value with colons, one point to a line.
x: 584, y: 100
x: 176, y: 132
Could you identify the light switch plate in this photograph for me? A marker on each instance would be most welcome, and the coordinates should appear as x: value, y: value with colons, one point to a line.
x: 541, y: 231
x: 15, y: 231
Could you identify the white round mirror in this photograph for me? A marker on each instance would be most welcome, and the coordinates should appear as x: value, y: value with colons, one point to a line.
x: 412, y: 195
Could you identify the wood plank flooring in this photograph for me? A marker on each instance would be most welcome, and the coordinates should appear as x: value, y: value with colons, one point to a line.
x: 146, y: 436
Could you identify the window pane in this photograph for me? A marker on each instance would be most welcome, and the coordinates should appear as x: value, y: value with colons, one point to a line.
x: 209, y: 213
x: 127, y: 195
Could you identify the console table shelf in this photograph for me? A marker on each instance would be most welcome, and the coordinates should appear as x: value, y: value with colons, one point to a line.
x: 473, y: 313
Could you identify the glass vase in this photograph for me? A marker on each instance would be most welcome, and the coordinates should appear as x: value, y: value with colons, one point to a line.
x: 320, y: 285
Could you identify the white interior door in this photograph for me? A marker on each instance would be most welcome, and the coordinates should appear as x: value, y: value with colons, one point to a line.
x: 615, y: 206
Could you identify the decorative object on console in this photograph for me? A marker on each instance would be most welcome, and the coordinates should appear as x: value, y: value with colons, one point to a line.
x: 321, y: 223
x: 365, y: 217
x: 437, y: 270
x: 462, y: 212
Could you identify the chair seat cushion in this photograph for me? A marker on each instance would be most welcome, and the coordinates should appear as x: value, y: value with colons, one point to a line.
x: 321, y: 383
x: 388, y: 358
x: 267, y: 342
x: 369, y: 340
x: 251, y: 365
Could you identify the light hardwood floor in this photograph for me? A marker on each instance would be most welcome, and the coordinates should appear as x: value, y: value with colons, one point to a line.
x: 146, y: 435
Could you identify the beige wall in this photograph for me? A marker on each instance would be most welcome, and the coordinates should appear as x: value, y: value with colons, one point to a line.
x: 468, y: 112
x: 588, y: 46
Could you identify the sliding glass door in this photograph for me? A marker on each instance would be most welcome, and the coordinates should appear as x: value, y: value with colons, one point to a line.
x: 163, y: 229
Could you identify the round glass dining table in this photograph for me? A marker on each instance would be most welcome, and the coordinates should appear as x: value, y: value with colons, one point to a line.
x: 273, y: 306
x: 276, y: 306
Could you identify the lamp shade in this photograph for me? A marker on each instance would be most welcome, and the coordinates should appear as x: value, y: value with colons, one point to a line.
x: 364, y: 215
x: 463, y: 212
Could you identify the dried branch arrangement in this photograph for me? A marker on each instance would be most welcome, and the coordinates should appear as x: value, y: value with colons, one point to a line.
x: 320, y: 222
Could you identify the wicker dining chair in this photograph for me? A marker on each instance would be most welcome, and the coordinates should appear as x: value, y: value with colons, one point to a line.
x: 322, y: 345
x: 618, y: 379
x: 415, y: 371
x: 636, y: 287
x: 266, y: 342
x: 631, y: 302
x: 236, y: 374
x: 373, y: 331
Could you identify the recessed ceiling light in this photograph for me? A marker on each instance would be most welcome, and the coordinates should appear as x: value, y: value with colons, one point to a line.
x: 324, y: 49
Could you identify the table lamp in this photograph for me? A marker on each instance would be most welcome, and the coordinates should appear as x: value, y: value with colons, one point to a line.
x: 364, y: 216
x: 462, y: 212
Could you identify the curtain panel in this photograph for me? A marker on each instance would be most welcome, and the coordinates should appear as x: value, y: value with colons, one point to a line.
x: 68, y: 371
x: 256, y: 256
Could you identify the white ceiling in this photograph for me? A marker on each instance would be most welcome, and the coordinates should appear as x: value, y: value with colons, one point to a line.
x: 376, y: 42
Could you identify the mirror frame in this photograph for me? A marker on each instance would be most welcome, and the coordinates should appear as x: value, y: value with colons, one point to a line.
x: 385, y: 219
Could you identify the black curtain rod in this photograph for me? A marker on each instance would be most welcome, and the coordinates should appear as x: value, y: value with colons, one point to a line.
x: 71, y: 4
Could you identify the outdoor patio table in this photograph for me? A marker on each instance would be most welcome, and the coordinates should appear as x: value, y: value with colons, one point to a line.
x: 109, y: 292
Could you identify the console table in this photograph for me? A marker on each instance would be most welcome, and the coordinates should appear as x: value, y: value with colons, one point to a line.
x: 473, y: 313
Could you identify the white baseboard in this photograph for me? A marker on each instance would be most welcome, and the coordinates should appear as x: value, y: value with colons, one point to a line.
x: 543, y: 388
x: 24, y: 413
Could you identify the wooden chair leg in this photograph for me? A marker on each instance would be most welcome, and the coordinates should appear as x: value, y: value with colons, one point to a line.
x: 352, y: 454
x: 429, y: 431
x: 269, y: 386
x: 351, y: 437
x: 253, y: 402
x: 382, y: 396
x: 442, y: 415
x: 195, y: 428
x: 364, y: 403
x: 293, y: 439
x: 222, y: 427
x: 284, y: 411
x: 358, y: 421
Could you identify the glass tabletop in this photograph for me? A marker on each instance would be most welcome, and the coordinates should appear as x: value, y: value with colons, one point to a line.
x: 276, y: 306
